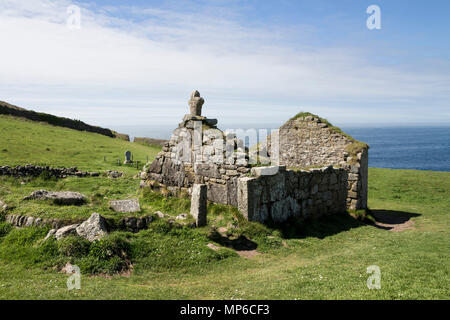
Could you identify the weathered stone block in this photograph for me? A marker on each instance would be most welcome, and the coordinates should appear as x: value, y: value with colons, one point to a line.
x: 265, y: 171
x: 131, y: 205
x: 217, y: 193
x: 66, y: 231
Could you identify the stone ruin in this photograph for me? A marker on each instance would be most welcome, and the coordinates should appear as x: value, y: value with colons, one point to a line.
x: 316, y: 169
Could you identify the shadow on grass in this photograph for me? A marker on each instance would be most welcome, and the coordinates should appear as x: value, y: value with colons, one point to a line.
x: 241, y: 243
x: 389, y: 219
x: 331, y: 225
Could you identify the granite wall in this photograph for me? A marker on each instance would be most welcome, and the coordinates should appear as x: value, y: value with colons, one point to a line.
x: 309, y: 141
x: 277, y: 194
x: 199, y: 153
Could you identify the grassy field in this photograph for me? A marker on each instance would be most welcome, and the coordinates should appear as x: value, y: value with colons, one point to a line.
x: 26, y: 142
x: 324, y: 259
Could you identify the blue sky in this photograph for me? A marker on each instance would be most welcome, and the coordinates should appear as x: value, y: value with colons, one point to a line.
x: 256, y: 63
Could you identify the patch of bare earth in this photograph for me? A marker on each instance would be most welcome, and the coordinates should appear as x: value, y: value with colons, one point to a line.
x: 393, y: 220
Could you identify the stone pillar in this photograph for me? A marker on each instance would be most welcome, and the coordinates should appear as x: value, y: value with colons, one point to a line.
x: 199, y: 204
x: 364, y: 177
x: 244, y: 199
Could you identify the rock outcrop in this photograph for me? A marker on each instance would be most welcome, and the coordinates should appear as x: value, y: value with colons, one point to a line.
x: 65, y: 231
x: 93, y: 228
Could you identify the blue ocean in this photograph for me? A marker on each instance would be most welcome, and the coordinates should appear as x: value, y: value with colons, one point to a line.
x: 420, y: 148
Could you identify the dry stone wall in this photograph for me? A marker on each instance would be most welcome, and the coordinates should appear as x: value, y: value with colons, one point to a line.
x: 280, y: 194
x: 8, y: 109
x: 35, y: 171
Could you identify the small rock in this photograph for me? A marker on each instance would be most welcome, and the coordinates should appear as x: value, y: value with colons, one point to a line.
x: 69, y: 268
x: 50, y: 234
x: 125, y: 205
x: 213, y: 246
x: 114, y: 174
x: 3, y: 206
x: 93, y: 228
x: 160, y: 214
x: 29, y: 222
x: 66, y: 231
x: 182, y: 216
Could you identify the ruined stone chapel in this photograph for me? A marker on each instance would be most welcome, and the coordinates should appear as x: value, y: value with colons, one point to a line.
x: 310, y: 168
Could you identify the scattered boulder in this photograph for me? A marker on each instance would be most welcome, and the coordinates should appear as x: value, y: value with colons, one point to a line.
x: 94, y: 228
x: 65, y: 231
x: 131, y: 205
x: 58, y: 197
x: 114, y: 174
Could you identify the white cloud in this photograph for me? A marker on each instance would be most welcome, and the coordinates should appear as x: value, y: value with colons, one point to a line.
x: 149, y: 67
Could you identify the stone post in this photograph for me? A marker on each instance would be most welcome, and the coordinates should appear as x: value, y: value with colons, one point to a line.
x: 245, y: 203
x: 199, y: 204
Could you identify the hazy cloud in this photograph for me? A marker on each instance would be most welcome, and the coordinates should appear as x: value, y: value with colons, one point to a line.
x: 146, y: 62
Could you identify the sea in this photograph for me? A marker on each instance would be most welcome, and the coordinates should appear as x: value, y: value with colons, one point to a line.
x: 419, y: 148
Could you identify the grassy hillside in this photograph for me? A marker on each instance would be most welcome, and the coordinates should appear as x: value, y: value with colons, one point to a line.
x: 24, y: 141
x: 8, y: 109
x: 324, y: 259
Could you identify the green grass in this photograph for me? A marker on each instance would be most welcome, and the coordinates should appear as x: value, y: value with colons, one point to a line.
x: 321, y: 259
x: 325, y: 259
x: 26, y: 142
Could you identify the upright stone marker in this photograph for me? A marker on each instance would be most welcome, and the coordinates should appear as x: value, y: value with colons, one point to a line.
x: 127, y: 157
x: 199, y: 203
x: 195, y: 103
